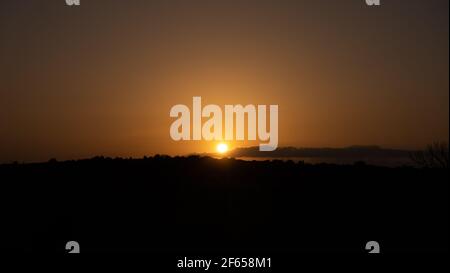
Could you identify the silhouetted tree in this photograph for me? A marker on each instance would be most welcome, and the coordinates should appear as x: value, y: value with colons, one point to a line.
x: 434, y: 156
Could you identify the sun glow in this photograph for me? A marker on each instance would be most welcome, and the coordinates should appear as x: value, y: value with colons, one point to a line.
x: 222, y: 148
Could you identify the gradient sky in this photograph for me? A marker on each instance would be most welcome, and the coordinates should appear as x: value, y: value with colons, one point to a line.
x: 100, y: 79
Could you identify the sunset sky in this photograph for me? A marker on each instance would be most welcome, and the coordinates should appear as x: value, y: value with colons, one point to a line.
x: 100, y: 79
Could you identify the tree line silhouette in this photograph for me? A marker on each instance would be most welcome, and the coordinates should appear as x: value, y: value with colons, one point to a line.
x: 188, y: 204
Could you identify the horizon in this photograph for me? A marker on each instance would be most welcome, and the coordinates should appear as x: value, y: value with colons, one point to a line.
x: 215, y: 154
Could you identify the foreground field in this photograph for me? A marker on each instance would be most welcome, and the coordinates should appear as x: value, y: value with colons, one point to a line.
x: 162, y: 204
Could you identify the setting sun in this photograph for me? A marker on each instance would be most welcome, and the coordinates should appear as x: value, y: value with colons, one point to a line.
x: 222, y: 148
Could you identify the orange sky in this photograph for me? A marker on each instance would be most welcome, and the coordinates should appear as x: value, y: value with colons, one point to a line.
x: 101, y: 78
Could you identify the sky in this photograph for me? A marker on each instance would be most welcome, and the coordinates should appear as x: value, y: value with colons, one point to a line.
x: 101, y: 78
